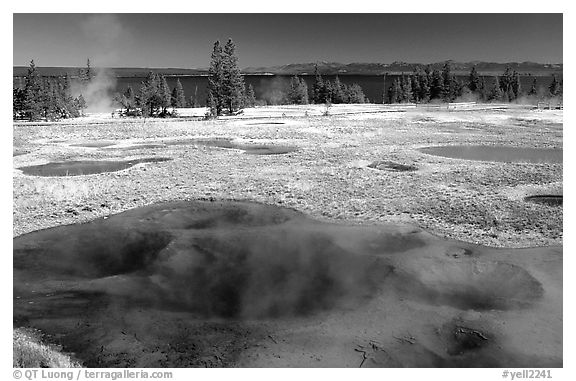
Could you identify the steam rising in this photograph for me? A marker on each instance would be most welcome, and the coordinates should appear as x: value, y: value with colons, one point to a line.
x: 98, y: 92
x: 107, y: 39
x: 248, y: 261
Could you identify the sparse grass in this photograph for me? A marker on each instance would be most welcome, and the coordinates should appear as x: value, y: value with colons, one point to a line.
x: 30, y: 352
x: 67, y: 189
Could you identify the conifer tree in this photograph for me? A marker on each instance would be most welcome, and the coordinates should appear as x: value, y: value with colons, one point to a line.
x: 496, y: 93
x: 32, y: 93
x: 482, y: 90
x: 233, y: 81
x: 447, y: 84
x: 395, y: 91
x: 250, y: 96
x: 164, y: 95
x: 516, y: 85
x: 533, y: 89
x: 215, y: 97
x: 554, y: 87
x: 297, y: 91
x: 86, y: 75
x: 406, y: 90
x: 318, y: 88
x: 436, y: 85
x: 473, y: 80
x: 354, y: 94
x: 178, y: 97
x: 338, y: 91
x: 18, y: 102
x: 150, y: 100
x: 80, y: 104
x: 424, y: 87
x: 416, y: 88
x: 506, y: 79
x: 326, y: 92
x: 127, y: 100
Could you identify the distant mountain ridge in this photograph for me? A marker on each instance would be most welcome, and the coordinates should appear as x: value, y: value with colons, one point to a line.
x: 332, y: 68
x: 325, y: 68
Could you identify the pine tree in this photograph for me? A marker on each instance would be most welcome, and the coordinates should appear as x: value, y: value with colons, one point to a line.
x: 215, y: 97
x: 338, y: 92
x: 406, y: 90
x: 511, y: 96
x: 533, y: 89
x: 164, y: 95
x: 355, y: 94
x: 127, y: 100
x: 297, y: 91
x: 496, y: 93
x: 178, y: 97
x: 86, y: 75
x: 150, y: 100
x: 32, y: 93
x: 446, y: 86
x: 45, y: 99
x: 80, y: 104
x: 516, y: 85
x: 326, y: 92
x: 250, y: 96
x: 473, y: 80
x: 506, y: 79
x: 212, y: 105
x: 554, y: 87
x: 18, y: 102
x: 482, y: 90
x: 436, y: 85
x: 318, y: 88
x: 424, y: 87
x: 416, y: 88
x: 233, y: 84
x: 395, y: 91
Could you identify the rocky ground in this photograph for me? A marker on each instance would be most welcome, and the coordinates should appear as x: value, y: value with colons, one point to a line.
x: 328, y: 178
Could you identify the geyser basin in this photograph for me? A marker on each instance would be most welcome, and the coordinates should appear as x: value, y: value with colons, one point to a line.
x: 88, y: 167
x: 497, y: 153
x: 550, y: 200
x: 166, y: 284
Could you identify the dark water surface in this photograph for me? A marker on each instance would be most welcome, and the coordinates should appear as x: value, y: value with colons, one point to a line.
x: 164, y: 273
x: 550, y: 200
x: 497, y: 153
x: 88, y: 167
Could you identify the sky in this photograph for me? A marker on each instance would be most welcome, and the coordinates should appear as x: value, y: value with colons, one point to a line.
x: 185, y: 40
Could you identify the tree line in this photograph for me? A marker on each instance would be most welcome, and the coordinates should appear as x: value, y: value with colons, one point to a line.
x: 48, y: 98
x: 226, y: 92
x: 52, y: 97
x: 153, y: 99
x: 426, y: 85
